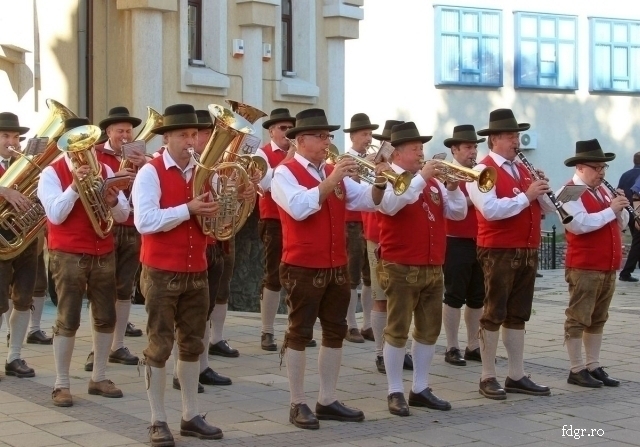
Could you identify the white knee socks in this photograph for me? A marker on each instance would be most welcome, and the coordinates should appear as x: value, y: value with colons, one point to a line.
x: 367, y: 305
x: 393, y: 361
x: 36, y: 314
x: 296, y: 363
x: 451, y: 323
x: 188, y: 377
x: 156, y: 379
x: 62, y: 352
x: 218, y: 316
x: 488, y: 349
x: 574, y: 349
x: 422, y: 356
x: 472, y: 322
x: 268, y: 309
x: 351, y: 312
x: 101, y: 345
x: 123, y: 309
x: 329, y: 360
x: 592, y: 344
x: 513, y: 340
x: 18, y: 324
x: 378, y: 322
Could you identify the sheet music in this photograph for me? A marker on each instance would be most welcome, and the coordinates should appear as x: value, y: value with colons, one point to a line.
x: 569, y: 193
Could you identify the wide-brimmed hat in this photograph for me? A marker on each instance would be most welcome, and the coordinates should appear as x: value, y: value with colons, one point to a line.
x: 179, y: 116
x: 278, y: 116
x: 386, y: 132
x: 464, y: 133
x: 589, y: 150
x: 502, y: 120
x: 405, y: 132
x: 9, y: 122
x: 204, y: 117
x: 311, y: 119
x: 360, y: 121
x: 119, y: 115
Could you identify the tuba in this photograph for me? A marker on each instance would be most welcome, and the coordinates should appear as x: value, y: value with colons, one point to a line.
x: 154, y: 119
x: 19, y: 229
x: 78, y: 145
x: 224, y: 180
x: 400, y: 182
x: 248, y: 145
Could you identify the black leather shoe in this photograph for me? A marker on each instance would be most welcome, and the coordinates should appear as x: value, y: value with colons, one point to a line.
x: 454, y: 356
x: 474, y: 354
x: 398, y: 405
x: 408, y: 362
x: 628, y: 278
x: 223, y: 349
x: 601, y: 375
x: 123, y: 356
x: 199, y: 428
x: 39, y: 338
x: 131, y: 331
x: 267, y: 343
x: 337, y: 411
x: 491, y: 389
x: 367, y: 334
x: 160, y: 435
x: 312, y: 343
x: 427, y: 399
x: 210, y: 377
x: 380, y: 364
x: 88, y: 365
x: 176, y: 385
x: 301, y: 416
x: 19, y: 368
x: 526, y: 386
x: 583, y: 378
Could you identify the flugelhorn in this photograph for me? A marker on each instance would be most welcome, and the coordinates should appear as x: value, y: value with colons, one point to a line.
x: 564, y: 216
x: 450, y: 172
x: 366, y: 171
x: 77, y: 144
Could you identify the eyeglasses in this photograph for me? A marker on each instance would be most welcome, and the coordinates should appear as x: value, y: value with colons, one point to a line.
x: 598, y: 169
x: 284, y: 128
x: 322, y: 136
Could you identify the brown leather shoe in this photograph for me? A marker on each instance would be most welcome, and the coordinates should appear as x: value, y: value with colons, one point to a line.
x: 39, y: 338
x: 131, y: 331
x: 160, y: 435
x: 223, y: 349
x: 18, y: 368
x: 199, y: 428
x: 268, y: 343
x: 454, y: 357
x: 104, y: 388
x: 398, y: 405
x: 491, y: 389
x: 426, y: 398
x: 367, y: 334
x: 353, y: 335
x: 337, y: 411
x: 525, y: 386
x: 62, y: 397
x: 123, y: 356
x: 301, y: 416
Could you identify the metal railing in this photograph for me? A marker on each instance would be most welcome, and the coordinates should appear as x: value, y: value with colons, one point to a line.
x: 547, y: 253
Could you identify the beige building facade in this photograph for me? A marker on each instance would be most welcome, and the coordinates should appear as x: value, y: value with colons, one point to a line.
x: 571, y: 69
x: 93, y: 55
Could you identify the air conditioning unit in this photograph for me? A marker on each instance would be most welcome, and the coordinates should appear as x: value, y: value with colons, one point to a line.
x: 528, y: 140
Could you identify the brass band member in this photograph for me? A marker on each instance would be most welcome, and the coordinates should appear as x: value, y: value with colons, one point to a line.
x: 174, y: 271
x: 80, y: 262
x: 508, y: 240
x: 275, y: 152
x: 360, y: 133
x: 410, y: 268
x: 313, y: 197
x: 463, y: 277
x: 594, y: 253
x: 119, y: 126
x: 17, y: 279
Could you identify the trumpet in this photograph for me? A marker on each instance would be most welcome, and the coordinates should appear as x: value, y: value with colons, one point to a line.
x: 366, y: 171
x: 632, y: 212
x: 564, y: 216
x: 449, y: 172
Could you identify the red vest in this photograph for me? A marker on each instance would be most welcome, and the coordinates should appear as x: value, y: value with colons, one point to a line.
x: 597, y: 250
x: 110, y: 160
x: 181, y: 249
x: 467, y: 227
x: 268, y: 208
x: 76, y: 234
x: 411, y: 237
x: 370, y: 226
x: 319, y: 241
x: 519, y: 231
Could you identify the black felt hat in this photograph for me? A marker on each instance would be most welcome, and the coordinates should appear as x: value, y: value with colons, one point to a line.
x: 179, y: 116
x: 589, y: 150
x: 386, y: 132
x: 279, y: 116
x: 119, y: 115
x: 465, y: 133
x: 405, y: 132
x: 502, y: 120
x: 311, y: 119
x: 360, y: 121
x: 9, y: 121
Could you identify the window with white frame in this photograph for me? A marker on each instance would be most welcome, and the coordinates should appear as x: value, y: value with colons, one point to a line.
x: 615, y: 55
x: 468, y: 46
x: 546, y: 51
x: 287, y: 37
x: 194, y: 22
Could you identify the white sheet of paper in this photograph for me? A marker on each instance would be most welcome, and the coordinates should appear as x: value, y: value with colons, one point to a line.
x: 569, y: 193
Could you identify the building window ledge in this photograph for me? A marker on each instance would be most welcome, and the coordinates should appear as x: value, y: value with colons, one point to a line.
x: 297, y: 90
x: 197, y: 77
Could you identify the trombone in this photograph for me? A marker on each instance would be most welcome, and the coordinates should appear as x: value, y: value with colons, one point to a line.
x: 366, y: 171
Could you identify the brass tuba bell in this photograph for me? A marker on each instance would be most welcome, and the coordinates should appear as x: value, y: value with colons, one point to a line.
x: 78, y: 145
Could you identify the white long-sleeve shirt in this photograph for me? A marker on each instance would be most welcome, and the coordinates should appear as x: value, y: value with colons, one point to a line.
x: 493, y: 208
x: 454, y: 203
x: 58, y: 203
x: 265, y: 183
x: 584, y: 222
x: 300, y: 202
x: 149, y: 217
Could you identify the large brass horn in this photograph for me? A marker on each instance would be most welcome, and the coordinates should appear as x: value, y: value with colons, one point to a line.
x: 154, y: 119
x: 224, y: 180
x: 366, y: 171
x: 19, y: 229
x: 77, y: 144
x: 251, y: 163
x: 449, y: 172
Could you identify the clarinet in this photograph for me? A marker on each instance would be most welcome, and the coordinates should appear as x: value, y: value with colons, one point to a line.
x: 564, y: 216
x: 629, y: 208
